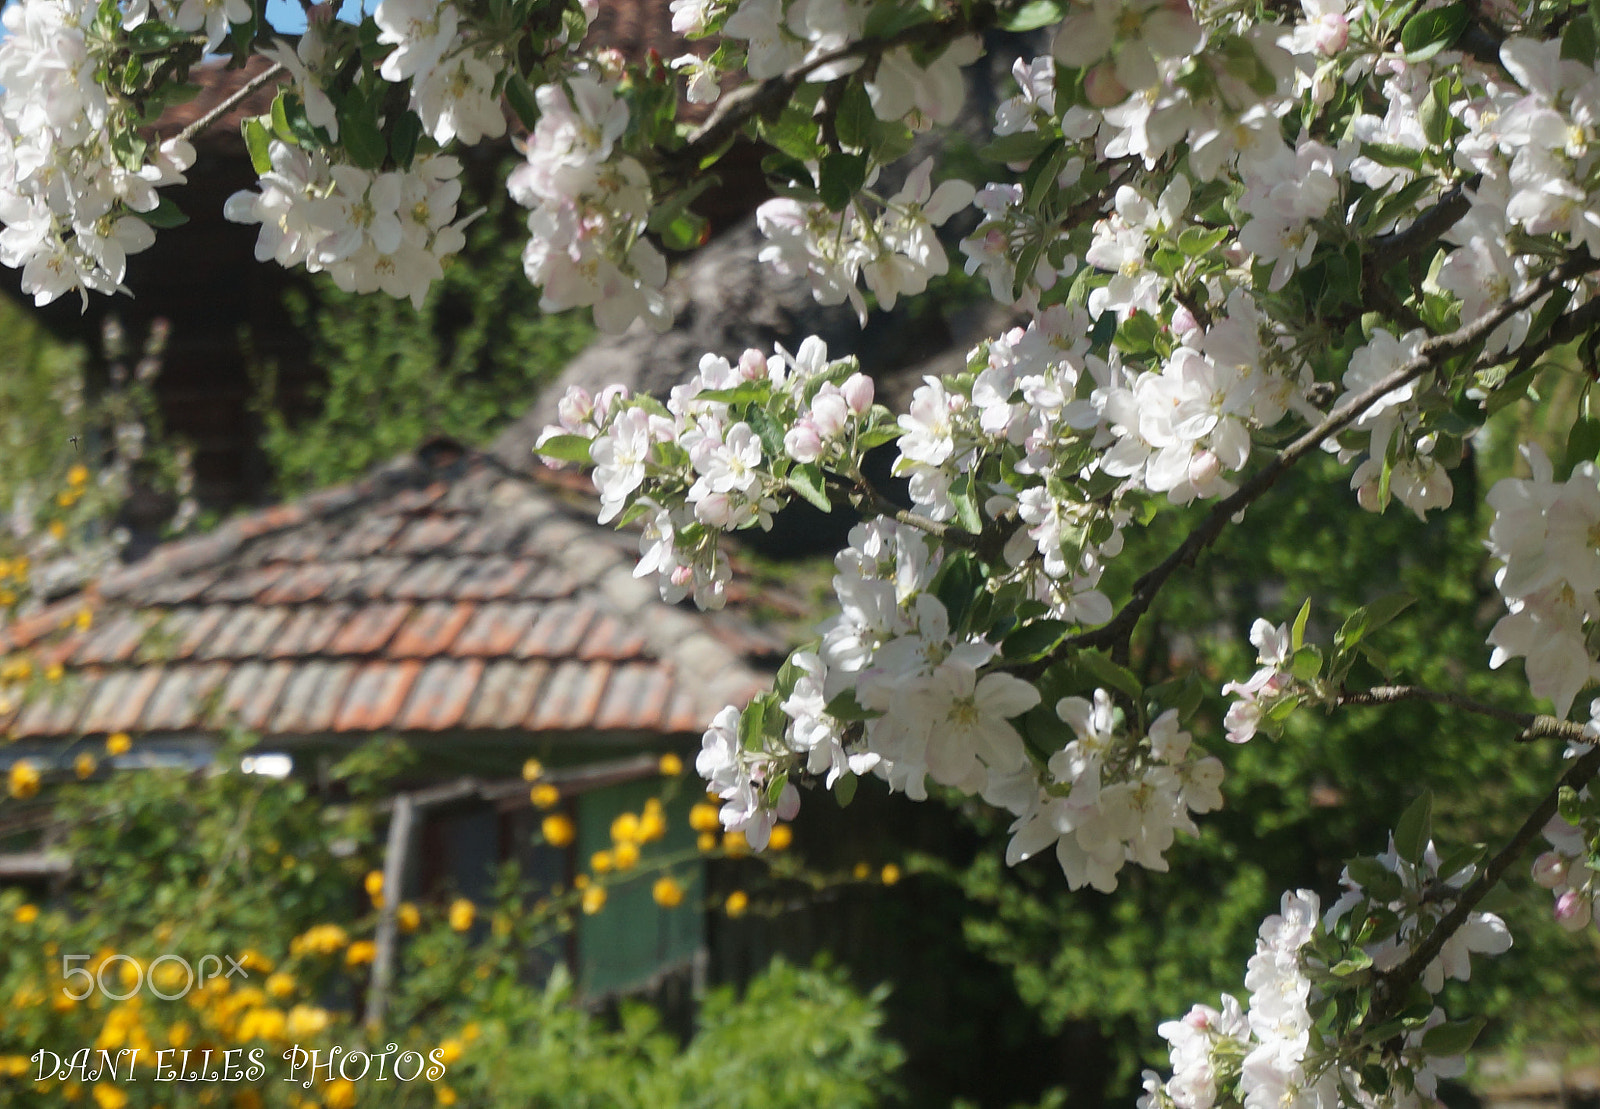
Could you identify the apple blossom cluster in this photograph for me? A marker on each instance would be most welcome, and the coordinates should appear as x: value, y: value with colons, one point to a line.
x: 392, y: 230
x: 71, y: 192
x: 589, y: 204
x: 1261, y: 692
x: 1108, y: 799
x: 1564, y: 870
x: 1267, y: 1052
x: 1547, y: 534
x: 453, y: 76
x: 896, y: 253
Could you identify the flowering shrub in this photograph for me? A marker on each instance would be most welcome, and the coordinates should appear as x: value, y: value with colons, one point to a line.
x: 1235, y: 235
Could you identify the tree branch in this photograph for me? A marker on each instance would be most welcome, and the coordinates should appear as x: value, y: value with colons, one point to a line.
x: 864, y: 490
x: 1397, y: 981
x: 738, y: 107
x: 1120, y: 627
x: 222, y: 109
x: 1534, y: 725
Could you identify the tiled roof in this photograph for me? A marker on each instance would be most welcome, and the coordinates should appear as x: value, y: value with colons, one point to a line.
x: 443, y: 593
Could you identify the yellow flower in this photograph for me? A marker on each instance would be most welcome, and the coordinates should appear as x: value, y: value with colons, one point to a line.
x: 280, y: 985
x: 625, y: 829
x: 26, y: 914
x: 670, y: 765
x: 407, y: 916
x: 444, y: 1095
x: 735, y: 845
x: 581, y: 882
x: 340, y: 1094
x: 78, y: 474
x: 118, y: 743
x: 321, y: 939
x: 449, y: 1051
x: 601, y: 861
x: 261, y: 1024
x: 73, y: 1090
x: 594, y: 899
x: 84, y: 619
x: 470, y: 1031
x: 107, y: 1096
x: 736, y: 904
x: 54, y: 672
x: 306, y: 1020
x: 251, y: 959
x: 360, y: 953
x: 24, y: 780
x: 707, y: 841
x: 652, y: 822
x: 625, y: 855
x: 374, y: 884
x: 558, y: 829
x: 461, y: 913
x: 703, y: 818
x: 544, y: 795
x: 178, y: 1033
x: 84, y: 765
x: 782, y: 837
x: 890, y: 874
x: 532, y: 770
x: 666, y: 892
x: 57, y: 529
x: 860, y: 872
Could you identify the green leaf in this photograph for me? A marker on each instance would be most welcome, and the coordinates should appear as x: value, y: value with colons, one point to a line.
x: 1031, y: 16
x: 1578, y: 41
x: 807, y: 480
x: 844, y: 790
x: 165, y: 214
x: 1583, y: 442
x: 258, y: 141
x: 566, y: 448
x: 1298, y: 634
x: 1199, y: 241
x: 403, y: 138
x: 155, y: 37
x: 855, y: 122
x: 1415, y: 828
x: 846, y: 708
x: 1306, y: 664
x: 966, y: 504
x: 520, y: 95
x: 280, y: 118
x: 878, y: 436
x: 1034, y: 641
x: 1378, y: 880
x: 1428, y: 32
x: 1393, y: 155
x: 1109, y: 673
x: 358, y: 131
x: 1369, y: 618
x: 752, y: 725
x: 1021, y: 146
x: 841, y: 177
x: 1453, y: 1037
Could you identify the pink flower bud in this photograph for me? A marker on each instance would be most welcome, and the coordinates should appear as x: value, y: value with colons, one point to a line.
x: 829, y: 413
x: 1183, y: 321
x: 682, y: 575
x: 1367, y: 497
x: 802, y: 443
x: 1102, y: 88
x: 1203, y: 468
x: 574, y: 409
x: 1550, y: 870
x: 1573, y: 910
x: 753, y: 365
x: 1333, y: 33
x: 788, y: 802
x: 858, y: 393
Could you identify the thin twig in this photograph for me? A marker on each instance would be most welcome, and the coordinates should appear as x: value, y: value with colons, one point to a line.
x: 883, y: 506
x: 230, y: 103
x: 1534, y: 725
x: 1397, y: 981
x: 736, y: 108
x: 1121, y: 626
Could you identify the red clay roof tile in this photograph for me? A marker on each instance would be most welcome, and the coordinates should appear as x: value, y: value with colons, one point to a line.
x: 430, y: 630
x: 368, y: 630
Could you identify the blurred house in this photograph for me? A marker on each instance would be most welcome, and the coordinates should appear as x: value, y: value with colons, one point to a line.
x: 467, y: 608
